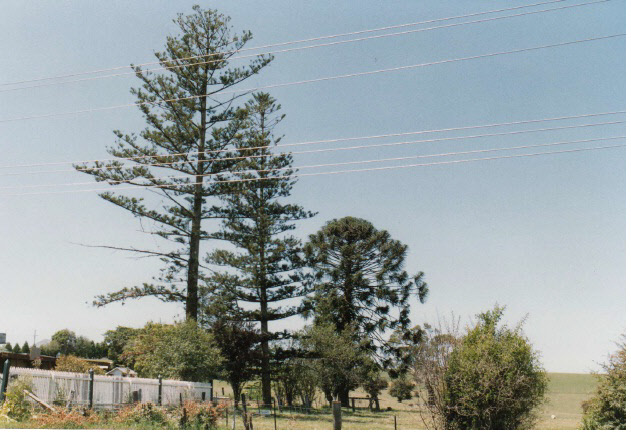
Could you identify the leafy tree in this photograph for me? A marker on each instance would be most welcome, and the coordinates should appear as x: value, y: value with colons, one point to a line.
x: 180, y: 351
x: 116, y: 340
x: 265, y: 268
x: 7, y: 347
x: 66, y: 341
x: 401, y: 389
x: 26, y: 348
x: 190, y: 120
x: 359, y: 278
x: 339, y: 361
x: 373, y: 384
x: 494, y: 379
x: 51, y: 348
x: 17, y: 348
x: 607, y: 409
x: 238, y: 343
x: 74, y: 364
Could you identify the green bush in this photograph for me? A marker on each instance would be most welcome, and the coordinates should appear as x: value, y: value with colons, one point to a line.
x: 494, y: 379
x: 401, y: 389
x: 607, y: 409
x: 16, y: 406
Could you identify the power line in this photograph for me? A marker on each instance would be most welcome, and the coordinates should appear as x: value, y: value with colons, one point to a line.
x: 301, y: 143
x: 284, y: 43
x: 401, y: 158
x: 329, y: 172
x: 178, y: 66
x: 336, y: 149
x: 315, y: 80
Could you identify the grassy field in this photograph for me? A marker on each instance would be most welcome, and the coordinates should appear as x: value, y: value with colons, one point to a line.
x: 565, y: 394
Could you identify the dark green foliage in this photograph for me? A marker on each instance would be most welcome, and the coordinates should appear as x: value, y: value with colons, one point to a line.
x: 17, y: 348
x: 66, y: 342
x: 341, y: 363
x: 494, y: 379
x: 182, y: 140
x: 180, y: 351
x: 360, y: 286
x: 265, y: 267
x: 359, y: 279
x: 373, y: 383
x: 607, y: 409
x: 239, y: 346
x: 25, y: 348
x: 8, y: 347
x: 116, y: 340
x: 401, y: 389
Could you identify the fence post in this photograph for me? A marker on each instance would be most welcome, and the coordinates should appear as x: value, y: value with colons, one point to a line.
x: 353, y: 403
x: 5, y: 379
x: 91, y: 389
x: 337, y: 415
x: 395, y: 422
x: 212, y: 389
x: 159, y: 390
x: 274, y: 409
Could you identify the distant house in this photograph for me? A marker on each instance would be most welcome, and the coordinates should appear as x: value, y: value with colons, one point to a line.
x: 103, y: 363
x: 27, y: 361
x: 122, y: 372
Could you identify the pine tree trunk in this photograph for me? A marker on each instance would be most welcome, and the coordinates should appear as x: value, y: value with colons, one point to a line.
x: 266, y: 377
x: 192, y: 295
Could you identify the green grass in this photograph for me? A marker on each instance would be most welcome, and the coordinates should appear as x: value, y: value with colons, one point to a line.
x: 565, y: 394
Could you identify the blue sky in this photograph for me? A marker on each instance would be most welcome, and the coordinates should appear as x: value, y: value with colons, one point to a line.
x: 544, y: 235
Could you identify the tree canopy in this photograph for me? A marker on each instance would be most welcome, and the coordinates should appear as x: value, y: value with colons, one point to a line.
x: 264, y: 268
x: 190, y: 121
x: 180, y: 351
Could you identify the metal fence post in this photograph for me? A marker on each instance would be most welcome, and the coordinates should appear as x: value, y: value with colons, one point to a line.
x: 159, y: 390
x: 91, y: 389
x: 5, y: 379
x: 337, y: 415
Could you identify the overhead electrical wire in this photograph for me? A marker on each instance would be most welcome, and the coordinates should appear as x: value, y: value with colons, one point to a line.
x: 315, y: 80
x: 318, y: 38
x: 301, y: 143
x: 178, y: 66
x: 359, y: 170
x: 332, y: 164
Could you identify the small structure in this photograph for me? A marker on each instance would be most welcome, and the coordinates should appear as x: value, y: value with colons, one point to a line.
x: 122, y: 372
x: 25, y: 360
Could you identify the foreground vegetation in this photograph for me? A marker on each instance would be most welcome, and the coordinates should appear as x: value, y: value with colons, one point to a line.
x: 565, y: 395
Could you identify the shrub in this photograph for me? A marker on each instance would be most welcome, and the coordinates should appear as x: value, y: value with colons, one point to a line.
x: 75, y: 364
x: 607, y: 409
x: 16, y: 406
x: 401, y: 389
x: 66, y: 419
x: 180, y: 351
x: 146, y: 415
x: 200, y: 416
x: 494, y: 379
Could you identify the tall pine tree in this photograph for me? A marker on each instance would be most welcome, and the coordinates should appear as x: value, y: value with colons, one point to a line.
x: 190, y: 122
x: 264, y: 267
x: 360, y: 283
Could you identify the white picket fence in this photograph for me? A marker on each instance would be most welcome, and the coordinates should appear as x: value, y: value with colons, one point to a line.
x: 109, y: 391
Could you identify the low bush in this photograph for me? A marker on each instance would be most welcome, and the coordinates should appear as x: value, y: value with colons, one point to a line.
x: 16, y: 406
x: 401, y: 389
x: 494, y: 379
x: 607, y: 409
